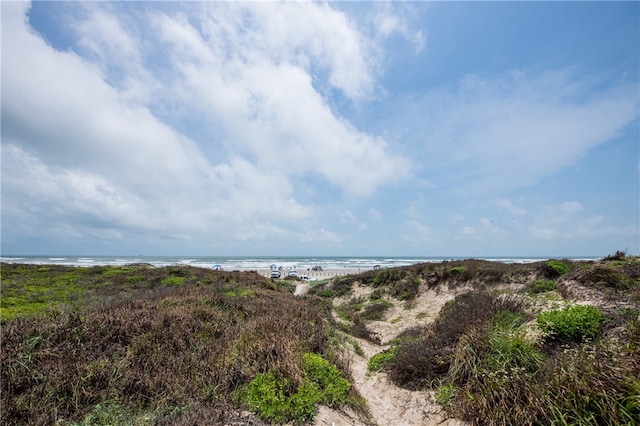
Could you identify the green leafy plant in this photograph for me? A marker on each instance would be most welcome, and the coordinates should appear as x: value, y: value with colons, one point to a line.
x: 573, y: 322
x: 333, y: 388
x: 270, y: 397
x: 134, y: 279
x: 445, y: 393
x: 173, y: 281
x: 541, y: 286
x: 378, y: 361
x: 557, y: 267
x: 277, y: 399
x: 458, y: 269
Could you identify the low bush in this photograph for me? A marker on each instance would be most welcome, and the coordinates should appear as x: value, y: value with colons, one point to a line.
x: 603, y: 275
x: 555, y: 268
x: 419, y: 361
x: 405, y: 289
x: 173, y: 280
x: 571, y: 323
x: 378, y: 361
x: 376, y: 310
x: 541, y: 286
x: 278, y: 400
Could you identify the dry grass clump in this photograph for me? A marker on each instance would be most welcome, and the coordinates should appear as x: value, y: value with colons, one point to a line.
x: 181, y: 356
x: 615, y: 278
x: 419, y: 361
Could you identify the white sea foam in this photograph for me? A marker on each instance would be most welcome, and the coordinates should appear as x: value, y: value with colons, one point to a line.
x: 249, y: 263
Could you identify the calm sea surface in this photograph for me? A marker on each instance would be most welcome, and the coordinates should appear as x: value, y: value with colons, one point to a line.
x: 247, y: 263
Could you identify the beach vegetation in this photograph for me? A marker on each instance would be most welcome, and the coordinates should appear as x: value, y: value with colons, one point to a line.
x: 378, y: 361
x: 279, y: 400
x: 98, y: 345
x: 578, y: 322
x: 376, y: 311
x: 109, y: 363
x: 458, y: 269
x: 444, y: 394
x: 555, y: 268
x: 543, y: 285
x: 173, y: 280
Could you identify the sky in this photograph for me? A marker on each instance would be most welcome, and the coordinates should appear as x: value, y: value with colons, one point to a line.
x: 324, y: 128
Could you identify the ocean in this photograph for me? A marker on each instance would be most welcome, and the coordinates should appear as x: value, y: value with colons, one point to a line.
x: 249, y: 263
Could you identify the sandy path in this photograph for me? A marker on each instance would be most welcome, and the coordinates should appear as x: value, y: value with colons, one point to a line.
x: 388, y: 404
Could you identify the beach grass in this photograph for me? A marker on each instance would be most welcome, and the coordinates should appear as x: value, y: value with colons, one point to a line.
x: 183, y: 345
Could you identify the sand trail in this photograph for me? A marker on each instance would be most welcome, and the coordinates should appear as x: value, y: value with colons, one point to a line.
x: 388, y: 404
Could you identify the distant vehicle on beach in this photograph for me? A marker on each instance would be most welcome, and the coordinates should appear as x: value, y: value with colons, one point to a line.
x: 293, y: 273
x: 275, y: 273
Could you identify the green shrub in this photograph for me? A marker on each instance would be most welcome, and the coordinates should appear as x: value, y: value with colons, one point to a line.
x: 326, y: 377
x: 134, y: 279
x: 173, y: 281
x: 574, y: 323
x: 328, y: 293
x: 113, y: 272
x: 458, y: 269
x: 557, y: 267
x: 378, y: 361
x: 270, y: 397
x: 543, y: 285
x: 278, y: 400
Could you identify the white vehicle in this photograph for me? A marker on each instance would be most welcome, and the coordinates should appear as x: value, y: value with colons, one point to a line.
x: 275, y: 273
x: 293, y: 273
x: 303, y: 277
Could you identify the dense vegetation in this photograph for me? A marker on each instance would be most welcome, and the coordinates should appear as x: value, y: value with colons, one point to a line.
x: 137, y: 345
x: 542, y: 355
x: 553, y: 342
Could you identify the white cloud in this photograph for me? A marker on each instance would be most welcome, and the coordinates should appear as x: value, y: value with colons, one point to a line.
x: 266, y: 98
x: 100, y: 130
x: 491, y: 136
x: 389, y: 19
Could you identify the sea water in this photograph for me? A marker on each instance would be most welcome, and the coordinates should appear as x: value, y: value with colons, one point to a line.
x: 249, y: 263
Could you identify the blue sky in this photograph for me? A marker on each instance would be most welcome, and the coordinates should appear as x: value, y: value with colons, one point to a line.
x: 347, y: 128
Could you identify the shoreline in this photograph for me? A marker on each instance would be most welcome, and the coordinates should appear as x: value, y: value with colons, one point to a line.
x: 317, y: 275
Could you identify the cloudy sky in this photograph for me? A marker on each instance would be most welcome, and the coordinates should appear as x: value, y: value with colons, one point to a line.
x: 349, y: 128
